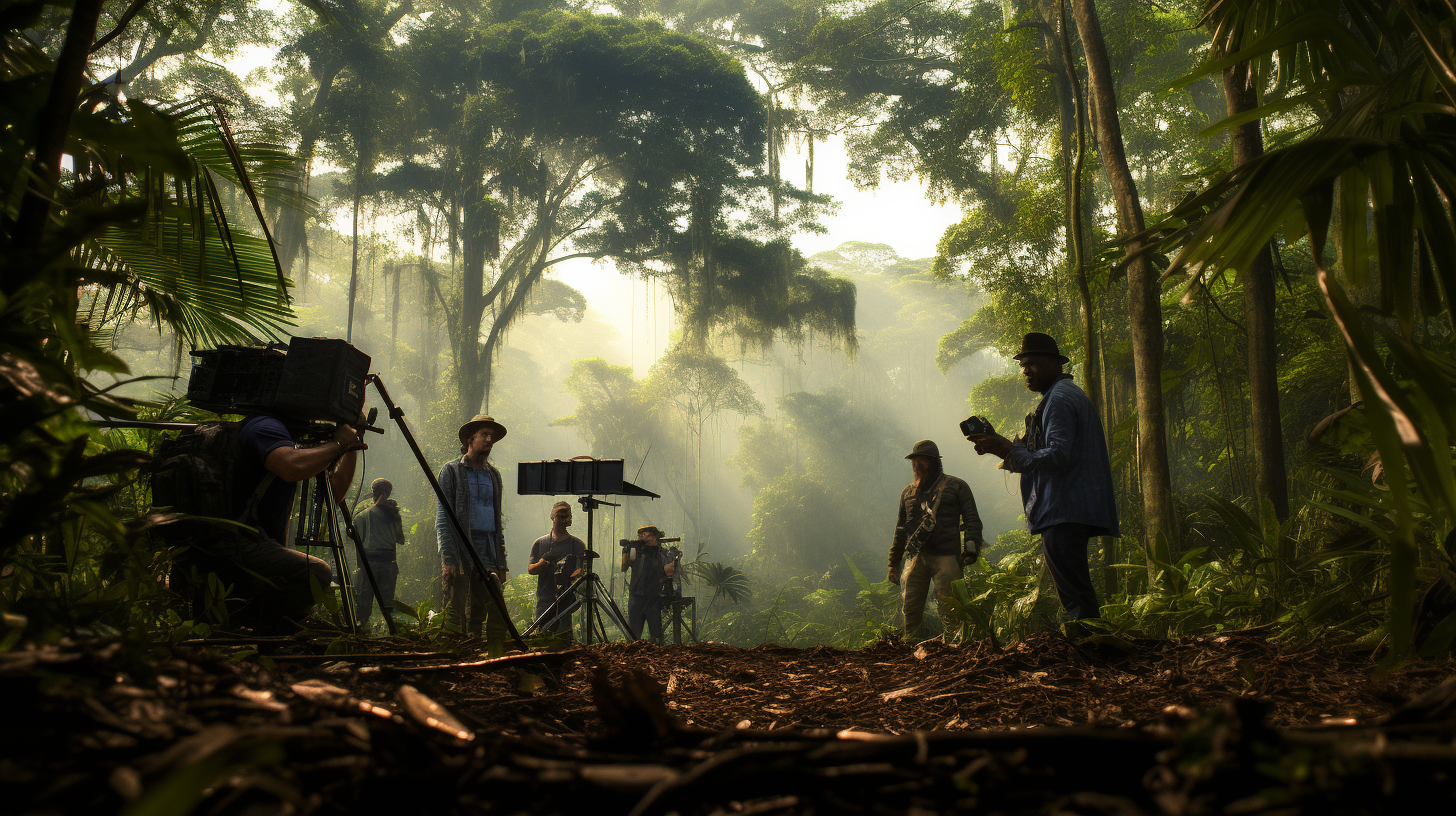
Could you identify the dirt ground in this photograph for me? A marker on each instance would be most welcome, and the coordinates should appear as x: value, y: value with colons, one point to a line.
x: 1227, y: 724
x: 1042, y: 682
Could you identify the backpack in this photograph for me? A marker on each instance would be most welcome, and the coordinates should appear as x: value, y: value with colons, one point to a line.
x: 194, y: 474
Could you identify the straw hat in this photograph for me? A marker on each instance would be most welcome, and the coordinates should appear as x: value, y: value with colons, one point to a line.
x: 481, y: 421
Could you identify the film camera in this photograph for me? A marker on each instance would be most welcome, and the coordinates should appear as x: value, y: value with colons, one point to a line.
x: 565, y: 568
x: 976, y: 426
x: 312, y: 379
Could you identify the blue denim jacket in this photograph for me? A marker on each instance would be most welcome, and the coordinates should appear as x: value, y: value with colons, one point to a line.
x: 1065, y: 473
x: 455, y: 484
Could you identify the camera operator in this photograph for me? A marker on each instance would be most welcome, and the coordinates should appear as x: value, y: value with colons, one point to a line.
x: 271, y: 583
x: 936, y: 510
x: 651, y: 566
x: 549, y: 553
x: 381, y: 530
x: 473, y: 487
x: 1066, y: 478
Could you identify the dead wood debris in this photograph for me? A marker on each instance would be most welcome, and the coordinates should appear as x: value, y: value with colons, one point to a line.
x: 1233, y: 724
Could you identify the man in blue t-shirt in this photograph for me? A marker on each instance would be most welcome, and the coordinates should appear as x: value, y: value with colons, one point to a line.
x: 271, y: 584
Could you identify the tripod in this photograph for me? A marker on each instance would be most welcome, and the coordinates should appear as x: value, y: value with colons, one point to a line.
x: 318, y: 526
x: 586, y: 591
x: 675, y: 605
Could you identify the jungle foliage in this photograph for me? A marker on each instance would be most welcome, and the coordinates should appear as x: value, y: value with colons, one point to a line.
x: 1235, y: 214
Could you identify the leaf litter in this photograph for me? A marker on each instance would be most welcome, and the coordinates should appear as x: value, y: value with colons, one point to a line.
x: 1228, y: 724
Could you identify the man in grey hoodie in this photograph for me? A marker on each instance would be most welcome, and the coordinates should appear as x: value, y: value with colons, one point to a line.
x: 473, y: 487
x: 1066, y: 477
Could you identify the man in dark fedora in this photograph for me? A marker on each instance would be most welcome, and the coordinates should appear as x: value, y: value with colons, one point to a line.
x: 1066, y: 477
x: 936, y: 511
x: 474, y: 489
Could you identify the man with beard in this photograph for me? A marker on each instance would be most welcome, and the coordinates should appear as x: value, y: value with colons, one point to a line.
x: 472, y: 485
x: 936, y: 511
x: 1066, y: 477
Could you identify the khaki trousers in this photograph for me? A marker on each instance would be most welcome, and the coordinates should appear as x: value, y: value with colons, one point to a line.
x: 919, y: 572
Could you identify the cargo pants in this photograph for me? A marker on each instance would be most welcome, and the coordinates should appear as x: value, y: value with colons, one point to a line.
x: 916, y: 577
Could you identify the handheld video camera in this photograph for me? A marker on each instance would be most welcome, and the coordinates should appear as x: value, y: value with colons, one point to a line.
x: 976, y: 426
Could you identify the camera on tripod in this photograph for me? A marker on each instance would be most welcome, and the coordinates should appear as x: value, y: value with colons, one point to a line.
x: 312, y: 379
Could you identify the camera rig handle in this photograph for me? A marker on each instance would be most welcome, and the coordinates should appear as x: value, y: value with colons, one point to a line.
x: 492, y: 588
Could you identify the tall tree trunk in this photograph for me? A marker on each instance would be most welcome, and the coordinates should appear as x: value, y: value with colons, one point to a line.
x: 292, y: 229
x: 1073, y: 159
x: 1270, y: 477
x: 1144, y: 309
x: 354, y: 264
x: 1073, y: 138
x: 470, y: 376
x: 54, y: 122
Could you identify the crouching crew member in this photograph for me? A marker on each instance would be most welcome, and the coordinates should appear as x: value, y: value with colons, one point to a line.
x: 472, y: 485
x: 381, y: 530
x: 549, y: 552
x: 936, y: 510
x: 1066, y: 478
x: 273, y: 586
x: 651, y: 567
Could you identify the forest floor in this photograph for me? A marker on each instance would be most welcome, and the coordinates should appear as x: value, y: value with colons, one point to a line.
x: 1226, y: 724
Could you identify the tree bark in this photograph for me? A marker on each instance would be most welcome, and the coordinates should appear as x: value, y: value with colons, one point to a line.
x: 354, y: 264
x: 292, y: 231
x: 1270, y: 476
x: 54, y: 122
x: 1144, y: 308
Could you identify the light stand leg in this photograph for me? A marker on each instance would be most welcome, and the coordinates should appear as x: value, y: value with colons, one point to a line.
x: 549, y: 616
x: 493, y: 590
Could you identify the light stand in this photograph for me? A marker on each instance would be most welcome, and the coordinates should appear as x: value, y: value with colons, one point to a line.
x: 586, y: 591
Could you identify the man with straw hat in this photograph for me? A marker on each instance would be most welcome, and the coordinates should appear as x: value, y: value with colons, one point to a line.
x: 474, y: 489
x: 936, y: 511
x: 1066, y: 477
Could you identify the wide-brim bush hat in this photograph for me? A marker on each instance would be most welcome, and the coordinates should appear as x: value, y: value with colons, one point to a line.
x: 924, y: 448
x: 649, y: 528
x: 1038, y: 343
x: 481, y: 421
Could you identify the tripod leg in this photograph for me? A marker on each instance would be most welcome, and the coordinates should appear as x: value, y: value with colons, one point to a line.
x: 609, y: 609
x: 549, y: 616
x: 323, y: 493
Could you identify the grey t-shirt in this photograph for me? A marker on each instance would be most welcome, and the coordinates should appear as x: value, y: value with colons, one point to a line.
x: 546, y: 547
x: 648, y: 574
x: 380, y: 529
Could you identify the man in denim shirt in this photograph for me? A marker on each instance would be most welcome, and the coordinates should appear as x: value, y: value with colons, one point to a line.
x: 1066, y: 478
x: 473, y: 487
